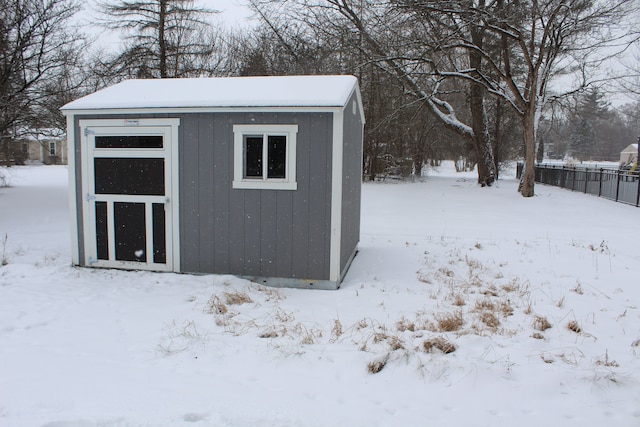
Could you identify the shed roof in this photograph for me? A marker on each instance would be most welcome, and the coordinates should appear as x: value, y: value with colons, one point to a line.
x: 285, y: 91
x: 631, y: 148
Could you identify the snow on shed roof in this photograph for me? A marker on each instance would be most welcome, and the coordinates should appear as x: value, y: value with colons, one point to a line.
x: 285, y: 91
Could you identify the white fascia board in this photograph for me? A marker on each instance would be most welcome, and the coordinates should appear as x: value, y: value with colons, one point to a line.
x: 336, y: 194
x: 185, y: 110
x: 356, y: 89
x: 73, y: 208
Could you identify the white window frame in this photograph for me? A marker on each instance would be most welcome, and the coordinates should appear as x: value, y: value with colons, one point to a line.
x: 265, y: 183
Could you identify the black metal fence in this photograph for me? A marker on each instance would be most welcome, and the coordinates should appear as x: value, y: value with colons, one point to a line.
x: 613, y: 184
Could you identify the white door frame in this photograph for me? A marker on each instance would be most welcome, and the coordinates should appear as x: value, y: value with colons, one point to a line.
x: 168, y: 129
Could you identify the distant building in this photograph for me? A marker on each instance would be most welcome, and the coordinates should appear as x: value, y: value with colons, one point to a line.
x: 629, y: 155
x: 49, y: 148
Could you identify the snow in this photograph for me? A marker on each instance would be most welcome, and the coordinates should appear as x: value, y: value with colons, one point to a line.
x: 88, y: 347
x: 283, y: 91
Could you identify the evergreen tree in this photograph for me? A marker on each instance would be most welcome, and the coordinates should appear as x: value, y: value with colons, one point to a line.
x: 164, y: 38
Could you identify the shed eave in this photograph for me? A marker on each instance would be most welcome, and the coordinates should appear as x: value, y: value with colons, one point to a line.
x: 187, y: 110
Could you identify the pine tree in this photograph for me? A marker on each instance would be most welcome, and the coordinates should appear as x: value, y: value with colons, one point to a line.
x: 164, y: 38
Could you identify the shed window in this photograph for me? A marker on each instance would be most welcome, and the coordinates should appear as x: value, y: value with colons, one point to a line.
x: 265, y: 156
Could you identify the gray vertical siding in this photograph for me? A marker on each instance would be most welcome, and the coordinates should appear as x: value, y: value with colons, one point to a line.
x: 351, y: 182
x: 263, y: 233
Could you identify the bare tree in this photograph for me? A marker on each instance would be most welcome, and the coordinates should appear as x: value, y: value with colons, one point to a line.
x: 163, y: 38
x: 509, y: 50
x: 35, y: 47
x: 523, y: 45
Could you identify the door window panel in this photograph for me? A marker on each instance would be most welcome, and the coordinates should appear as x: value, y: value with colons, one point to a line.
x: 130, y: 231
x: 129, y: 141
x: 129, y: 176
x: 102, y: 233
x: 159, y: 235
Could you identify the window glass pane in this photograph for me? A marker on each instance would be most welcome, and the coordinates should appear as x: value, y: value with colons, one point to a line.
x: 133, y: 141
x: 159, y: 238
x: 130, y: 231
x: 102, y: 240
x: 277, y: 156
x: 129, y: 176
x: 253, y: 156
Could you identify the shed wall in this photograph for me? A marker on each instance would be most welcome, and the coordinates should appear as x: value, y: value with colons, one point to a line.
x: 264, y: 233
x: 351, y: 181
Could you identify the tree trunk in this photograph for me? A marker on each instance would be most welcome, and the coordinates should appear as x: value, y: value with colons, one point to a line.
x: 481, y: 140
x: 162, y: 42
x: 497, y: 138
x: 528, y: 176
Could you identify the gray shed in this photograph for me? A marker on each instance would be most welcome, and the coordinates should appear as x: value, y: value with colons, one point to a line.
x: 257, y: 177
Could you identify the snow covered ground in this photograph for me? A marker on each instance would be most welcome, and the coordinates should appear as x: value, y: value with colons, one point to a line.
x: 464, y: 307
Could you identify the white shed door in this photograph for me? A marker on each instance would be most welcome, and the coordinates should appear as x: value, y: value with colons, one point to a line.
x: 128, y: 221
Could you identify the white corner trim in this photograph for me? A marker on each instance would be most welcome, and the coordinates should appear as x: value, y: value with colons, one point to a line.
x: 336, y: 194
x: 175, y: 192
x: 73, y: 206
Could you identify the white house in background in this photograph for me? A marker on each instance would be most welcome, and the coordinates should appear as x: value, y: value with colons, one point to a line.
x: 49, y: 149
x: 629, y: 155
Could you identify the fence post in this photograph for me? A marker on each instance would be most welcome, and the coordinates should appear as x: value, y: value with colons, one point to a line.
x: 600, y: 184
x: 586, y: 180
x: 638, y: 194
x: 617, y: 184
x: 573, y: 179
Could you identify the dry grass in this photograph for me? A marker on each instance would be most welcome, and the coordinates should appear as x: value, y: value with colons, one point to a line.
x: 489, y: 319
x: 3, y: 258
x: 485, y: 304
x: 605, y: 361
x: 438, y: 343
x: 237, y: 298
x: 537, y: 336
x: 547, y: 358
x: 573, y: 326
x: 511, y: 287
x: 180, y: 338
x: 336, y: 331
x: 541, y: 323
x: 449, y: 322
x: 216, y: 306
x: 268, y: 334
x: 395, y: 343
x: 422, y: 277
x: 446, y: 272
x: 578, y: 289
x: 376, y: 366
x: 458, y: 300
x: 405, y: 325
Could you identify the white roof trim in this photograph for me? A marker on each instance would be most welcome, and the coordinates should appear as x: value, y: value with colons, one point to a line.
x: 234, y: 92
